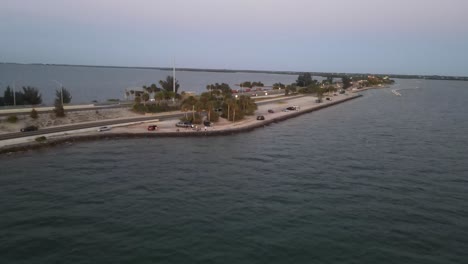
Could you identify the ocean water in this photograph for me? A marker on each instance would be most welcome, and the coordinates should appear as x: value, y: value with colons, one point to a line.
x: 379, y: 179
x: 87, y: 84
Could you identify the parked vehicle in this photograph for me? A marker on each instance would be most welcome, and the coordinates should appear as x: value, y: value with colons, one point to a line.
x: 184, y: 124
x: 104, y: 128
x: 293, y: 108
x: 260, y: 117
x: 29, y: 128
x: 152, y: 127
x: 270, y: 111
x: 207, y: 123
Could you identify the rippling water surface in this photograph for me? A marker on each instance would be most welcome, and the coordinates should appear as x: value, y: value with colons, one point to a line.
x: 380, y: 179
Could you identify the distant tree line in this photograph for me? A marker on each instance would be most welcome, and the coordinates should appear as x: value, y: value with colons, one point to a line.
x: 251, y: 84
x: 29, y: 95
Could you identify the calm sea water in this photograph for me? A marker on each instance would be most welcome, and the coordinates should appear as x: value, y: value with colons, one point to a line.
x: 88, y: 83
x: 380, y: 179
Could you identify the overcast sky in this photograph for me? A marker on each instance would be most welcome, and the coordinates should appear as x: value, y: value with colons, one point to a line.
x: 378, y: 36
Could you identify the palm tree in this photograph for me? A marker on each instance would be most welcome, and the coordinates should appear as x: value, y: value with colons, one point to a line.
x: 159, y: 96
x: 168, y: 84
x: 145, y: 97
x: 188, y: 103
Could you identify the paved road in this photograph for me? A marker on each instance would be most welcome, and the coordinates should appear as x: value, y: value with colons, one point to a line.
x: 86, y: 125
x: 26, y: 111
x: 108, y: 123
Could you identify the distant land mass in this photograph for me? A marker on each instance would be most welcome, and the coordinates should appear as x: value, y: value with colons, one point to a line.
x: 322, y: 74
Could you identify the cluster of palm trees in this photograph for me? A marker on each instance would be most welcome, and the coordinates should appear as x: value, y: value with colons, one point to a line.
x: 166, y: 92
x: 218, y: 100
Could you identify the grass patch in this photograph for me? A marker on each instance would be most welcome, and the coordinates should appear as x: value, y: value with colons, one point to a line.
x: 41, y: 139
x: 12, y: 119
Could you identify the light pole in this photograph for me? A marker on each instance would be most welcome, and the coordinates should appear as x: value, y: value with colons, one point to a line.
x: 173, y: 80
x: 61, y: 90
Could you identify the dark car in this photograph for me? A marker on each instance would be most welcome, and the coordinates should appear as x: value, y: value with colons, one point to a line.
x: 291, y: 108
x: 207, y: 123
x: 184, y: 124
x: 152, y: 127
x: 270, y: 111
x: 29, y: 128
x: 260, y: 118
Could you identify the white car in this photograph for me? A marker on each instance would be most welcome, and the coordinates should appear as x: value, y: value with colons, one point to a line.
x: 105, y: 128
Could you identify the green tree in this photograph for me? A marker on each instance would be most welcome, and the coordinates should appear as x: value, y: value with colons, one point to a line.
x: 154, y: 88
x: 159, y: 96
x: 145, y: 97
x: 19, y: 96
x: 257, y: 84
x: 304, y: 79
x: 246, y: 105
x: 12, y: 119
x: 8, y: 96
x: 58, y: 109
x: 63, y: 93
x: 279, y: 85
x: 246, y: 85
x: 168, y: 84
x: 347, y: 82
x: 31, y: 95
x: 137, y: 100
x: 34, y: 114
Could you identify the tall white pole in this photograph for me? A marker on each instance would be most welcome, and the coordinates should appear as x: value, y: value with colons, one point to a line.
x: 61, y: 90
x: 173, y: 79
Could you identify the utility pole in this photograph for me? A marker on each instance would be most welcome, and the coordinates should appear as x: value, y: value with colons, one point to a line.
x: 61, y: 90
x: 173, y: 79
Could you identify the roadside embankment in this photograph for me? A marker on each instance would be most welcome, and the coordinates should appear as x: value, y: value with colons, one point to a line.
x: 307, y: 105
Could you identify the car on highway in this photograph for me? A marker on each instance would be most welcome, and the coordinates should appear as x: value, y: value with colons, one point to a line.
x: 29, y: 128
x: 260, y: 117
x: 104, y: 128
x: 185, y: 124
x: 270, y: 111
x: 293, y: 108
x: 152, y: 127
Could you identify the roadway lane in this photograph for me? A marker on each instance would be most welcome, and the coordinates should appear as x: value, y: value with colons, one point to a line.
x: 87, y: 125
x: 43, y: 110
x: 111, y: 122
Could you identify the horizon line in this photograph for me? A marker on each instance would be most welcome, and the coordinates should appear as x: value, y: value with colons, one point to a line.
x: 242, y: 70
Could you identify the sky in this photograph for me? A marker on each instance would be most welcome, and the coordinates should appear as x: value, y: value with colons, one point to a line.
x: 354, y: 36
